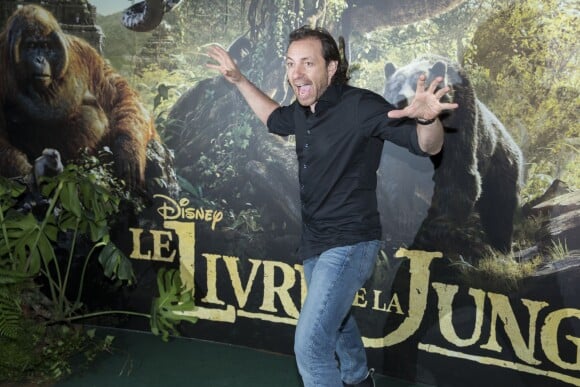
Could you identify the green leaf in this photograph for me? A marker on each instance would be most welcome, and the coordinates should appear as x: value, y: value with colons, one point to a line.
x: 45, y: 248
x: 107, y: 259
x: 10, y: 188
x: 116, y: 264
x: 12, y: 276
x: 27, y: 242
x: 98, y: 230
x: 70, y: 199
x: 125, y: 270
x: 67, y: 221
x: 10, y: 314
x: 173, y: 298
x: 51, y: 231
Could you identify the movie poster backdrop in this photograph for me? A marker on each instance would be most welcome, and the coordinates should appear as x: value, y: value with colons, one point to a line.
x: 476, y: 282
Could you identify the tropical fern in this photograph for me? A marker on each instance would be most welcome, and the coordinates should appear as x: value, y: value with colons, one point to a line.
x: 10, y: 312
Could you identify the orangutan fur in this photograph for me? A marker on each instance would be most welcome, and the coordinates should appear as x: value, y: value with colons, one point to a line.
x: 56, y: 91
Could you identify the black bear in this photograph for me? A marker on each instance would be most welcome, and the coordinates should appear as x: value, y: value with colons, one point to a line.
x: 477, y: 175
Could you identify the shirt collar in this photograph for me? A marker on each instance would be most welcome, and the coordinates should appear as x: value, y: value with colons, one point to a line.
x: 328, y: 99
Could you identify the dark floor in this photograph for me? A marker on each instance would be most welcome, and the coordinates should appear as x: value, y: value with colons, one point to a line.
x: 140, y: 359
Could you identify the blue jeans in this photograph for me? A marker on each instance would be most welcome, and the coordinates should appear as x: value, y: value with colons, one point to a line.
x: 326, y: 331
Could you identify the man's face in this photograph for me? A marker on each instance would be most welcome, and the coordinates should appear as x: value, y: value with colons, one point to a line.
x: 308, y: 73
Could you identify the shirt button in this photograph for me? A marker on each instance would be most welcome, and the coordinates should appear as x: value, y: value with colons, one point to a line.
x: 308, y: 131
x: 306, y: 146
x: 305, y: 166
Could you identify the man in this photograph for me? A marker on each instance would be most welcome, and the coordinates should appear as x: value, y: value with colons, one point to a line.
x: 339, y: 133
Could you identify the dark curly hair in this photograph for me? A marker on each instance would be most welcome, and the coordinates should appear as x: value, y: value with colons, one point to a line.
x: 330, y: 50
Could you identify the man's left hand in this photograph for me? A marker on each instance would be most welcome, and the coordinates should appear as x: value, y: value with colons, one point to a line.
x: 426, y: 105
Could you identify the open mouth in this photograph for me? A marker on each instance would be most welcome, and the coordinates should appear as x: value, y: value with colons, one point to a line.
x: 303, y: 90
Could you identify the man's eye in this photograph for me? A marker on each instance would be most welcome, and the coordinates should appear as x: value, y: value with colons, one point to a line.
x: 289, y: 64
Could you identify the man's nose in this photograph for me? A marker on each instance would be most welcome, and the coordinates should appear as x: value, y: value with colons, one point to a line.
x: 297, y: 72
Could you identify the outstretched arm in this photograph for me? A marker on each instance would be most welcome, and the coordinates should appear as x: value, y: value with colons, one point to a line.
x: 425, y: 108
x: 259, y: 102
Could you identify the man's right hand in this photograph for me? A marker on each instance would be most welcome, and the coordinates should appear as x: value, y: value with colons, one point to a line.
x: 261, y: 104
x: 225, y: 64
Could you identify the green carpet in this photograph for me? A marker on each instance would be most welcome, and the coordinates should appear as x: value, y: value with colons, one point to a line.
x: 140, y: 359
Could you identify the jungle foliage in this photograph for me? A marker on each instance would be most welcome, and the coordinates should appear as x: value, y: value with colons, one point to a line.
x: 50, y: 233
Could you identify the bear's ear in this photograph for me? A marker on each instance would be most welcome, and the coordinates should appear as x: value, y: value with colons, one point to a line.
x: 389, y: 70
x: 439, y: 69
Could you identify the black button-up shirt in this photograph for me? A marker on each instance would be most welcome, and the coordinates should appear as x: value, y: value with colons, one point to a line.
x: 339, y: 149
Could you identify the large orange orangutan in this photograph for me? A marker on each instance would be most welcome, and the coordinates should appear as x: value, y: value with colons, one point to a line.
x: 56, y: 91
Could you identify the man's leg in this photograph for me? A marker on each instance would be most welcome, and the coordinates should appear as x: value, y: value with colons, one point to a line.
x: 333, y: 278
x: 351, y: 353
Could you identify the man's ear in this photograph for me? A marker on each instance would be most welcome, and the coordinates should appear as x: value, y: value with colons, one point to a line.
x: 332, y: 68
